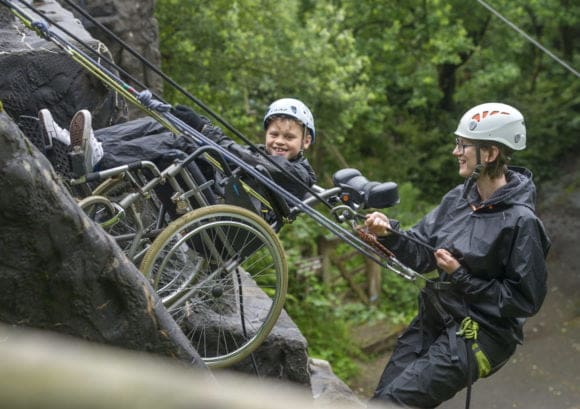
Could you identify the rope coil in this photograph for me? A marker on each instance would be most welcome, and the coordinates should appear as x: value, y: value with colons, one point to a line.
x: 468, y: 329
x: 371, y: 239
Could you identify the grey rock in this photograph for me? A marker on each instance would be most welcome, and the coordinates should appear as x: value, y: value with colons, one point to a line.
x: 327, y: 388
x: 135, y: 25
x: 38, y: 74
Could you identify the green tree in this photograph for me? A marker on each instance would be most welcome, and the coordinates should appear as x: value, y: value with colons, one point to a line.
x: 239, y: 56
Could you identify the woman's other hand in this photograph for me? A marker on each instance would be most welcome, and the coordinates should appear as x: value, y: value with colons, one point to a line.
x: 446, y: 261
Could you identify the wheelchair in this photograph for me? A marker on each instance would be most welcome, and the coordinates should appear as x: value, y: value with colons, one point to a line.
x: 207, y: 245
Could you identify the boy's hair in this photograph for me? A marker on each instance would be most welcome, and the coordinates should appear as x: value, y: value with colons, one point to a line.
x: 305, y: 132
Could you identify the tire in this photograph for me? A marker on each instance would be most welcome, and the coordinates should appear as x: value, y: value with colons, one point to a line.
x: 221, y: 272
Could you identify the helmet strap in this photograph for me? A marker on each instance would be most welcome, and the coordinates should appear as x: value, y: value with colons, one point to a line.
x: 301, y: 153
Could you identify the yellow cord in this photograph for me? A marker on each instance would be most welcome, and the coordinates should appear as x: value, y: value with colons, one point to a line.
x: 468, y: 329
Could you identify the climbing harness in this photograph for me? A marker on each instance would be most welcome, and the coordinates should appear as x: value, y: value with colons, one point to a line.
x: 467, y: 329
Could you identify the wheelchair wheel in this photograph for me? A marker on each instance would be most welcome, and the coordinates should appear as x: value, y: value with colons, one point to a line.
x: 221, y: 272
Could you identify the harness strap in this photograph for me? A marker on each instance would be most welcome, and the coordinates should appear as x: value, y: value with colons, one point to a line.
x: 447, y: 318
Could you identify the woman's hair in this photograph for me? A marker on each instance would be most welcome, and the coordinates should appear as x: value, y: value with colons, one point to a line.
x: 499, y: 166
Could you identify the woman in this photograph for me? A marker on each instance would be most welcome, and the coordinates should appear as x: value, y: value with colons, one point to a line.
x: 491, y: 250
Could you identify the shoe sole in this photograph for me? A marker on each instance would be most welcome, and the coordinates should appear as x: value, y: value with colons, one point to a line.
x: 77, y: 130
x: 80, y: 129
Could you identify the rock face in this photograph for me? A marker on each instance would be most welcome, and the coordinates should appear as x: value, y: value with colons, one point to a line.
x: 283, y: 355
x: 61, y: 272
x: 37, y: 74
x: 134, y: 23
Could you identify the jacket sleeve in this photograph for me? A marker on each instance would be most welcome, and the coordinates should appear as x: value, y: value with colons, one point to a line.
x: 286, y: 173
x: 418, y: 257
x: 217, y: 135
x: 520, y: 292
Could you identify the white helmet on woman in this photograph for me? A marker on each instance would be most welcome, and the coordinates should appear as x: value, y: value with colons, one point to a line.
x: 293, y: 108
x: 496, y: 122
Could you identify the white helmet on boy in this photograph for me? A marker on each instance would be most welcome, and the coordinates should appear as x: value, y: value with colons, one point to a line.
x: 293, y: 108
x: 496, y: 122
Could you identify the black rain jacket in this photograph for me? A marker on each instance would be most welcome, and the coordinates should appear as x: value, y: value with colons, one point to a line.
x: 503, y: 244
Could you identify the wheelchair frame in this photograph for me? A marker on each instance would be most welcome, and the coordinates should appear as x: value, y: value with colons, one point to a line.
x: 219, y: 269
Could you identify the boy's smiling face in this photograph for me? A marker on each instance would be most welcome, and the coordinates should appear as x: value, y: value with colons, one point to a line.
x: 285, y: 137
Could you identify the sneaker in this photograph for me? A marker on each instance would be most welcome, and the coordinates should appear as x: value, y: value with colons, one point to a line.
x: 50, y: 129
x: 83, y: 140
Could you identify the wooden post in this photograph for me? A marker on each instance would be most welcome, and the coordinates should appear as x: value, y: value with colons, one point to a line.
x: 374, y: 279
x: 325, y: 250
x: 348, y: 276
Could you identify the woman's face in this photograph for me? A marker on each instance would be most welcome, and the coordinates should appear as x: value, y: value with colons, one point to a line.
x: 465, y: 152
x: 285, y: 137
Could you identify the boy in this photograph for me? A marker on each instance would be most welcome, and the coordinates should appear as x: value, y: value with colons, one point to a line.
x: 288, y: 124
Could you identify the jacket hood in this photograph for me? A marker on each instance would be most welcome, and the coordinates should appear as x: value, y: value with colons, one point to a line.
x: 519, y: 190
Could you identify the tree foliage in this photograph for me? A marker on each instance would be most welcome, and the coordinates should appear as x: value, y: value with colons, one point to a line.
x: 387, y: 81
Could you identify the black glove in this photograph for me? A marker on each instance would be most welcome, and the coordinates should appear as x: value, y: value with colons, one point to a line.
x: 189, y: 116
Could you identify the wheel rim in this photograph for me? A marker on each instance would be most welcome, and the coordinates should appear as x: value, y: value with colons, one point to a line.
x: 231, y: 292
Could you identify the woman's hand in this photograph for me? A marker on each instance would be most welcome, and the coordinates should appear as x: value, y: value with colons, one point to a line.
x: 378, y: 224
x: 446, y: 261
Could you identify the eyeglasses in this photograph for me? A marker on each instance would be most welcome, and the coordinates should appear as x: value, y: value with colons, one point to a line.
x: 460, y: 145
